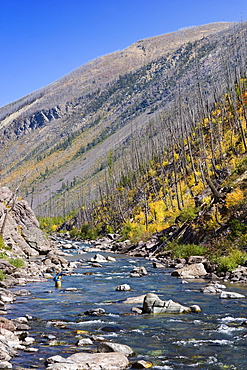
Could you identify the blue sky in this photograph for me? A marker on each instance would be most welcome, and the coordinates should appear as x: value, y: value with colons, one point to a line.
x: 43, y: 40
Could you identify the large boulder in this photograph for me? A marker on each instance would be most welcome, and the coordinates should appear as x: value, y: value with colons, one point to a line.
x: 100, y: 361
x: 36, y: 239
x: 192, y: 271
x: 153, y: 304
x: 21, y: 229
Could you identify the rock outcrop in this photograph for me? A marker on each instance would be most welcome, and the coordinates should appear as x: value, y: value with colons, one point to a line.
x: 19, y: 226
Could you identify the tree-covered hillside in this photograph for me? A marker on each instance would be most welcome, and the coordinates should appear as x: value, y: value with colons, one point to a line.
x: 60, y: 138
x: 192, y: 190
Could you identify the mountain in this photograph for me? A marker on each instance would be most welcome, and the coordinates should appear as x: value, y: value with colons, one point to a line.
x: 60, y: 141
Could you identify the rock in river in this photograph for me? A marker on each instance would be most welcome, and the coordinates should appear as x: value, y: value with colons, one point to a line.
x: 231, y: 295
x: 153, y: 304
x: 115, y: 347
x: 100, y: 361
x: 123, y: 287
x: 190, y: 271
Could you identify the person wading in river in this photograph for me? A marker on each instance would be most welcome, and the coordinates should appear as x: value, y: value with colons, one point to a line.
x: 57, y: 279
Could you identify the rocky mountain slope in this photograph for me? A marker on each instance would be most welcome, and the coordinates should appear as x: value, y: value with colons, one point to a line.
x: 59, y: 138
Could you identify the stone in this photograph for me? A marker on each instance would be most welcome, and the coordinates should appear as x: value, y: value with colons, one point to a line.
x: 6, y: 295
x: 36, y: 239
x: 190, y: 271
x: 21, y: 231
x: 211, y: 289
x: 10, y: 339
x: 84, y: 342
x: 123, y: 287
x: 7, y: 324
x: 195, y: 308
x: 96, y: 264
x: 5, y: 365
x: 111, y: 259
x: 6, y: 267
x: 135, y: 300
x: 98, y: 258
x: 55, y: 359
x: 158, y: 265
x: 138, y: 272
x: 22, y: 292
x: 31, y: 349
x: 196, y: 259
x: 136, y: 310
x: 28, y: 341
x: 97, y: 338
x: 95, y: 311
x: 141, y: 364
x: 20, y: 320
x: 153, y: 304
x: 231, y: 295
x: 115, y: 347
x: 63, y: 366
x: 100, y: 361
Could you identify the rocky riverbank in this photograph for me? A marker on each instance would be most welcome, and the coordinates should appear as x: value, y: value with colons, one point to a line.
x: 42, y: 258
x: 26, y: 256
x: 184, y: 268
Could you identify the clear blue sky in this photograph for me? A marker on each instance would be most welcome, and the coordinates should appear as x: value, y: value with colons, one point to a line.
x: 43, y: 40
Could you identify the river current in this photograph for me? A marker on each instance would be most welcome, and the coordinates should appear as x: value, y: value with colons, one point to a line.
x: 211, y: 339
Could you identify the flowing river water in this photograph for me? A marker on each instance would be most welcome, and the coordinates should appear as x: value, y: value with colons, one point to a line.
x: 212, y: 339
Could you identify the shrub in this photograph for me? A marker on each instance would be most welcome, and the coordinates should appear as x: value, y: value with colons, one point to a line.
x: 237, y: 228
x: 74, y: 233
x: 232, y: 260
x: 242, y: 167
x: 234, y: 198
x: 188, y: 214
x: 186, y: 250
x: 2, y: 275
x: 3, y: 256
x: 135, y: 232
x: 242, y: 242
x: 17, y: 262
x: 2, y: 245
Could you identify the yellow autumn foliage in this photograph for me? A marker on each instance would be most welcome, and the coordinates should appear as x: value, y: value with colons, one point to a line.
x: 234, y: 198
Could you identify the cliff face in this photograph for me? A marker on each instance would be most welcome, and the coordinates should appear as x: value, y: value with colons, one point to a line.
x: 20, y: 228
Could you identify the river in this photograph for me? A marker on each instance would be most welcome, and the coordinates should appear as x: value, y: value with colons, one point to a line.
x: 212, y: 339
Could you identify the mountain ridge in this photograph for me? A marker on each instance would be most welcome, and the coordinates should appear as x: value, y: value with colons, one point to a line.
x: 115, y: 102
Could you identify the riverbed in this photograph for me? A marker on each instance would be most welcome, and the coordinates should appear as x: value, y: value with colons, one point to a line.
x: 212, y: 339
